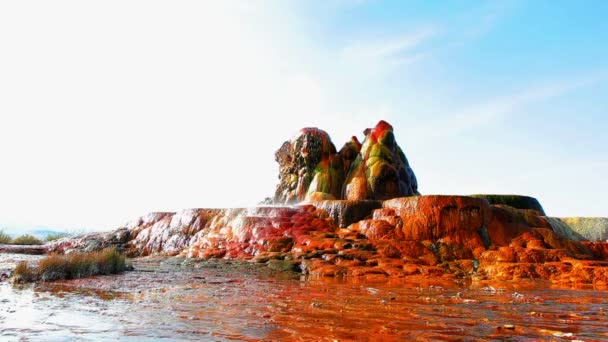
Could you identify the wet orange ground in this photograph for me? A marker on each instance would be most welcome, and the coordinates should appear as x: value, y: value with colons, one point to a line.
x: 180, y: 299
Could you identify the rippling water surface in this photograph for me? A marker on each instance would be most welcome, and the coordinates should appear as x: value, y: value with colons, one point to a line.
x: 177, y: 299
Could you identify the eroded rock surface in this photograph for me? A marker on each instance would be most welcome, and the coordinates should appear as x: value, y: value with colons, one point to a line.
x: 422, y: 236
x: 24, y: 249
x: 381, y: 171
x: 515, y: 201
x: 360, y: 214
x: 345, y: 212
x: 311, y: 169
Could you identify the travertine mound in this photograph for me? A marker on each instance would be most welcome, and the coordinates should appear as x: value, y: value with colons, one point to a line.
x: 381, y: 171
x: 515, y: 201
x: 423, y: 236
x: 310, y: 168
x: 360, y: 214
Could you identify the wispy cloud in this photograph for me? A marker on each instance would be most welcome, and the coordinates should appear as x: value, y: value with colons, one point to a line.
x: 390, y: 47
x: 391, y: 51
x: 486, y: 112
x: 481, y: 20
x: 385, y: 52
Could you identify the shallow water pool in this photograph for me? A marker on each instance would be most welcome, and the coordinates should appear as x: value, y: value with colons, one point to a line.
x: 180, y: 299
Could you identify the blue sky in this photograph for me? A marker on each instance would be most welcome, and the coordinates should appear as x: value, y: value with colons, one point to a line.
x: 111, y: 110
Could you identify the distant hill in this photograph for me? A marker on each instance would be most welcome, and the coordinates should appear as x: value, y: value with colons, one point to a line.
x: 40, y: 233
x: 43, y: 233
x: 592, y: 228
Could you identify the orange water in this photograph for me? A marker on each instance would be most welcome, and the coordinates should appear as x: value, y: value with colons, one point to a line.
x: 175, y: 300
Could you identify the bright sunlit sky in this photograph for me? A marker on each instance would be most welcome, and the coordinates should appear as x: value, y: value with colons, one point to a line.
x: 112, y: 109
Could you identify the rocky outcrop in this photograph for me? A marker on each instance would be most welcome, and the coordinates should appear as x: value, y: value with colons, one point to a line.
x: 507, y: 223
x: 246, y: 233
x: 90, y: 242
x: 24, y: 249
x: 381, y: 170
x: 562, y: 229
x: 419, y: 236
x: 345, y: 213
x: 515, y: 201
x: 310, y: 168
x: 349, y: 152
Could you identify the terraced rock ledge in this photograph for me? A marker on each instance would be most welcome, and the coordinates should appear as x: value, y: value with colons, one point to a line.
x: 419, y: 236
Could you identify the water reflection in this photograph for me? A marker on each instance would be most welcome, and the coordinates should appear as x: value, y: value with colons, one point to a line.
x: 186, y: 300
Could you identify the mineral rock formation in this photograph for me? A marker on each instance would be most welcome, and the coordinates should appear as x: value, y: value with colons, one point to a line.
x: 421, y: 236
x: 349, y: 152
x: 364, y: 217
x: 381, y: 170
x: 344, y: 212
x: 311, y: 169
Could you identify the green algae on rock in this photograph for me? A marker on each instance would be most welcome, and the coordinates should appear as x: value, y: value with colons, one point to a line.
x: 309, y: 166
x: 381, y: 170
x: 590, y: 228
x: 311, y: 169
x: 515, y: 201
x: 564, y: 230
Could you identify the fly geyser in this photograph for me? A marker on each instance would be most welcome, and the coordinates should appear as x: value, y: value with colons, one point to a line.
x: 357, y: 212
x: 311, y: 169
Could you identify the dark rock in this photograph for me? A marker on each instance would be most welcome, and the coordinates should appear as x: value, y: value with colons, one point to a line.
x: 93, y: 245
x: 344, y: 212
x: 283, y: 265
x: 381, y: 170
x: 349, y: 152
x: 24, y: 249
x: 505, y: 225
x: 515, y: 201
x: 309, y: 167
x: 122, y: 235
